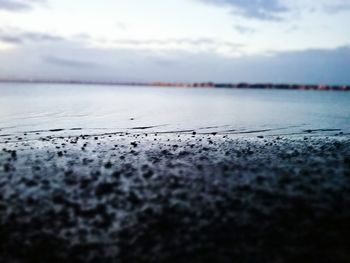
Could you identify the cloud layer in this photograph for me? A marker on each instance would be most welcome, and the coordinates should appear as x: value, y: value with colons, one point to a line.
x: 16, y: 36
x: 274, y: 10
x: 18, y: 5
x: 264, y: 10
x: 73, y: 60
x: 20, y: 37
x: 71, y: 63
x: 213, y: 46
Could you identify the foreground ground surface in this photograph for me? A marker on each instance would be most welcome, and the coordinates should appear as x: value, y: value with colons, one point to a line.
x: 175, y: 197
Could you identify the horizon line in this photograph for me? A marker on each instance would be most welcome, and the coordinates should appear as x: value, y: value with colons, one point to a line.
x: 204, y: 84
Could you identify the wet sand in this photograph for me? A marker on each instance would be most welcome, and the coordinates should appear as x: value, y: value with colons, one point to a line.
x: 175, y: 197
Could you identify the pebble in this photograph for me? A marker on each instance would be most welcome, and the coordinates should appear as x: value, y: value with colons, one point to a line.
x: 175, y: 196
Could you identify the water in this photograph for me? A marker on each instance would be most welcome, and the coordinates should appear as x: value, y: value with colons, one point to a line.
x: 98, y: 109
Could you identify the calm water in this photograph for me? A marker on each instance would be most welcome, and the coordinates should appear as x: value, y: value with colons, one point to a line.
x: 33, y: 107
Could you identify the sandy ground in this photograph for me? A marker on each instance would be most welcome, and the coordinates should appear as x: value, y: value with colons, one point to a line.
x: 175, y: 197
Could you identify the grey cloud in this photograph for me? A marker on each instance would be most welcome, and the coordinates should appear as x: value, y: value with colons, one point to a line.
x: 164, y: 61
x: 75, y: 61
x: 313, y: 66
x: 20, y: 37
x: 337, y: 7
x: 18, y: 5
x: 39, y: 37
x: 64, y: 62
x: 190, y: 41
x: 258, y: 9
x: 244, y: 29
x: 205, y: 44
x: 10, y: 39
x: 275, y: 10
x: 326, y: 6
x: 15, y: 36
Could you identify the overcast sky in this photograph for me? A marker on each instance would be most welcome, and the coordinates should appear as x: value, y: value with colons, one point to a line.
x: 294, y: 41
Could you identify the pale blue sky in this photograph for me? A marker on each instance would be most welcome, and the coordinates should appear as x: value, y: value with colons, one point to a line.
x: 177, y: 40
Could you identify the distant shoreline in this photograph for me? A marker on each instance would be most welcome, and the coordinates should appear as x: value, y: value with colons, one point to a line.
x: 189, y: 84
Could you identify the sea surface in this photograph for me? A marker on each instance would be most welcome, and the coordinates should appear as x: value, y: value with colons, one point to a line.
x: 94, y: 109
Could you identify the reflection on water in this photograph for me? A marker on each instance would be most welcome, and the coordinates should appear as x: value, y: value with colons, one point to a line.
x: 33, y: 107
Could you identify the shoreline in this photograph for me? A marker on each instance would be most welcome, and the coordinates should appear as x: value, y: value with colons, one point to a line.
x: 170, y: 197
x: 244, y: 85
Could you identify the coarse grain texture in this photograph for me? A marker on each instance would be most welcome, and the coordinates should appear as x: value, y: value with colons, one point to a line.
x: 175, y: 197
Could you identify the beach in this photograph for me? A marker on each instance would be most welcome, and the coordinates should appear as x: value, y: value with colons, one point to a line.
x: 169, y: 197
x: 171, y: 131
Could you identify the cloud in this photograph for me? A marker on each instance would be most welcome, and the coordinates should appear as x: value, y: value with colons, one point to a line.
x: 18, y: 5
x: 310, y: 66
x: 258, y: 9
x: 337, y: 6
x: 64, y: 62
x: 326, y: 7
x: 10, y: 39
x: 272, y: 10
x: 76, y: 61
x: 16, y: 36
x: 194, y: 45
x: 45, y: 55
x: 244, y: 29
x: 177, y: 41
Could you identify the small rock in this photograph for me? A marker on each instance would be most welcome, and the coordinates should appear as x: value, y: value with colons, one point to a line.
x: 108, y: 165
x: 13, y: 154
x: 104, y: 189
x: 148, y: 174
x: 7, y: 167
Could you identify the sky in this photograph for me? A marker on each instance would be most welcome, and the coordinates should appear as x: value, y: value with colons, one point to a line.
x: 274, y: 41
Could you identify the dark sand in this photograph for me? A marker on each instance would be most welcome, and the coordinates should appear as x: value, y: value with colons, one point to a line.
x: 175, y: 198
